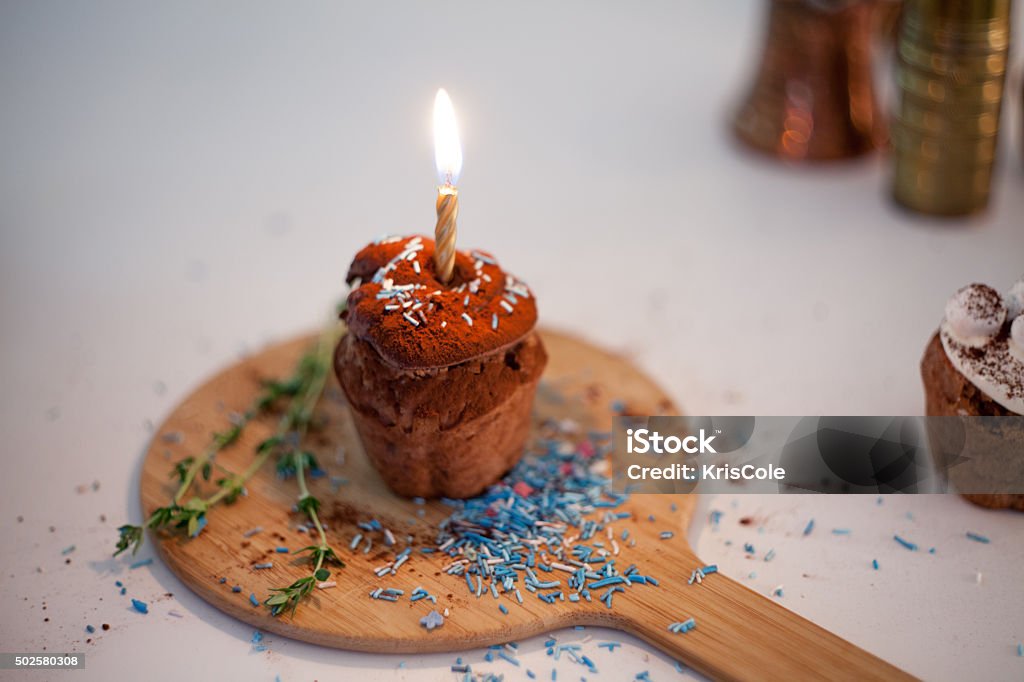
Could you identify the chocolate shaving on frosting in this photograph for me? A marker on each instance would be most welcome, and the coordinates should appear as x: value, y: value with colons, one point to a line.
x: 980, y: 349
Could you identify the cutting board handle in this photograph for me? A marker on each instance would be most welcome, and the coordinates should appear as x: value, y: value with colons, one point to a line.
x: 741, y: 635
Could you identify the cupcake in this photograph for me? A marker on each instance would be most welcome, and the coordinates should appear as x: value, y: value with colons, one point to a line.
x: 974, y: 366
x: 440, y: 377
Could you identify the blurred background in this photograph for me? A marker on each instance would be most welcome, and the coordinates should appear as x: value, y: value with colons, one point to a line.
x: 184, y: 182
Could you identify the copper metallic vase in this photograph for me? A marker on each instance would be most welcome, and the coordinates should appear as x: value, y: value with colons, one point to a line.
x: 813, y: 97
x: 950, y: 69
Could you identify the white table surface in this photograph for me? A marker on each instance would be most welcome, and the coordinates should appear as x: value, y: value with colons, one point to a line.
x: 183, y: 182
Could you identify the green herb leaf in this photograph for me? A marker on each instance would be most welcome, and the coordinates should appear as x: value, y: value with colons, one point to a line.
x: 130, y: 537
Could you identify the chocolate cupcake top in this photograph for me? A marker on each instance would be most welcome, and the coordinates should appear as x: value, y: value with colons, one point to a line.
x: 982, y: 334
x: 413, y: 321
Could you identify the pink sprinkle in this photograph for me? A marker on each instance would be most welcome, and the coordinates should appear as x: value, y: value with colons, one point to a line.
x: 586, y: 449
x: 566, y: 468
x: 523, y: 488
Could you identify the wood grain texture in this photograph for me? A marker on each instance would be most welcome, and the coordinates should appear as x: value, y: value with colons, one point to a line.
x: 740, y: 635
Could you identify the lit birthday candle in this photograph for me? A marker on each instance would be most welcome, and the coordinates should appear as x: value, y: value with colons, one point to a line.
x: 448, y: 158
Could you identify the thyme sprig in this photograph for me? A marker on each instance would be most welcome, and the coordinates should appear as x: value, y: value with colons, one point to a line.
x: 304, y: 388
x: 295, y: 462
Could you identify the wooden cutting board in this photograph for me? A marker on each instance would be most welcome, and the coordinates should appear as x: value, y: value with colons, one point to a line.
x: 740, y: 634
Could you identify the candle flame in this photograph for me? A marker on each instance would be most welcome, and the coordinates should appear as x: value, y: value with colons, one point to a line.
x: 447, y: 150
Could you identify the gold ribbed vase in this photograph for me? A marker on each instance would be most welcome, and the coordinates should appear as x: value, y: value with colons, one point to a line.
x: 950, y: 72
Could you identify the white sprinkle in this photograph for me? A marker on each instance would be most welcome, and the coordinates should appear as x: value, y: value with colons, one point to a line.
x: 175, y: 614
x: 465, y: 301
x: 977, y: 577
x: 506, y: 306
x: 416, y: 266
x: 444, y: 323
x: 468, y: 319
x: 327, y: 584
x: 494, y: 321
x: 252, y: 531
x: 411, y: 319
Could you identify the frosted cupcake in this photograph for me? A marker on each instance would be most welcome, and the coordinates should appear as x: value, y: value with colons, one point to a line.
x: 974, y: 366
x: 440, y: 377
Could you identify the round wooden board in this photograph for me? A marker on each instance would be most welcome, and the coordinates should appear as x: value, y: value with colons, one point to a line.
x: 741, y: 635
x: 580, y: 383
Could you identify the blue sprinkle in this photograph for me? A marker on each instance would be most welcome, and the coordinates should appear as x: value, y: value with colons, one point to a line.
x: 610, y: 646
x: 748, y: 548
x: 840, y: 531
x: 667, y: 535
x: 67, y: 550
x: 1020, y: 650
x: 874, y: 564
x: 124, y: 591
x: 281, y: 550
x: 770, y: 555
x: 236, y: 588
x: 501, y: 607
x: 223, y: 580
x: 142, y: 562
x: 530, y: 674
x: 432, y: 620
x: 90, y: 629
x: 253, y: 600
x: 265, y: 564
x: 907, y: 544
x: 978, y: 538
x: 119, y: 583
x: 511, y: 659
x: 809, y: 527
x: 140, y: 606
x: 200, y: 525
x: 931, y: 550
x: 679, y: 667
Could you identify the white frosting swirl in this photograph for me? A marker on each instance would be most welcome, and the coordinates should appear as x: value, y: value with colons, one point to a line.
x: 1016, y: 341
x: 1014, y: 300
x: 975, y: 314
